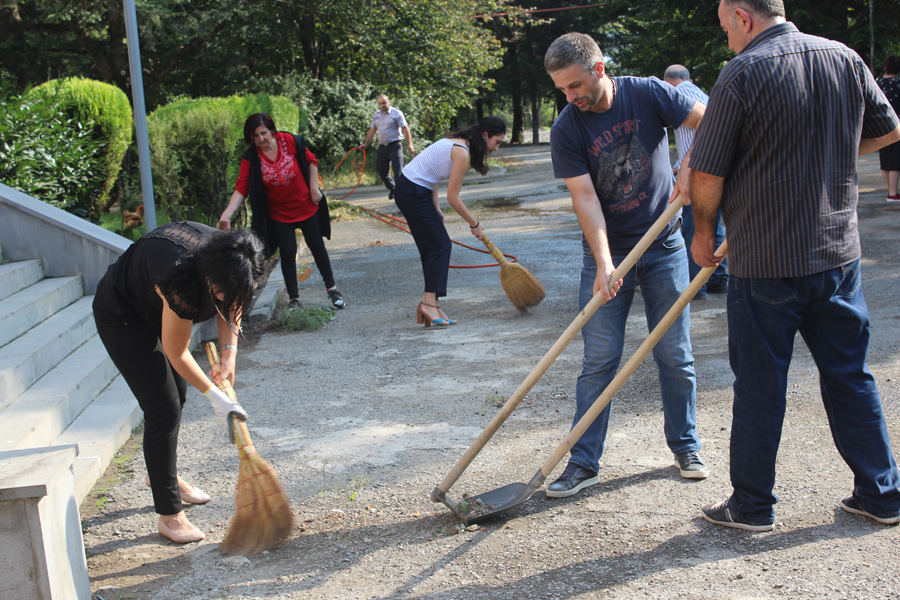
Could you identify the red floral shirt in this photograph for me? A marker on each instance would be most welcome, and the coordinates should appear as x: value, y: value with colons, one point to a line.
x: 287, y: 194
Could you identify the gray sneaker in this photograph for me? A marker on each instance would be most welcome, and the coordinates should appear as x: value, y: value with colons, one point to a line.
x: 691, y: 466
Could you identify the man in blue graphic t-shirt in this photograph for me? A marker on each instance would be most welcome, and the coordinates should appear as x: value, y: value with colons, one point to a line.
x: 611, y: 148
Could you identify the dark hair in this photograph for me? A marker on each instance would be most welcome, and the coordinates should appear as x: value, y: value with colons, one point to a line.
x: 765, y: 9
x: 252, y: 124
x: 233, y: 261
x: 892, y: 64
x: 474, y: 134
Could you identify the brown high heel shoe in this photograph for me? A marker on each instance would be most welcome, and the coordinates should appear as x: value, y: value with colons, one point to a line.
x: 421, y: 317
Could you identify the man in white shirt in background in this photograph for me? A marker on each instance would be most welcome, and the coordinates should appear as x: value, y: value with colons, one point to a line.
x: 680, y: 77
x: 390, y: 123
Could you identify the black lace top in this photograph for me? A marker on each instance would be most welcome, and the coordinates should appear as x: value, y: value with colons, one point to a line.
x: 127, y: 292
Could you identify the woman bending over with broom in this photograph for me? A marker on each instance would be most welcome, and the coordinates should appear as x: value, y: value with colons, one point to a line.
x: 176, y: 275
x: 416, y: 195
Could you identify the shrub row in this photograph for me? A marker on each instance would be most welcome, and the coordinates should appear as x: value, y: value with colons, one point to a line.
x: 196, y: 147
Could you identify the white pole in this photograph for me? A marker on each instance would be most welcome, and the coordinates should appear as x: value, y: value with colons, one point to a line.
x: 140, y: 113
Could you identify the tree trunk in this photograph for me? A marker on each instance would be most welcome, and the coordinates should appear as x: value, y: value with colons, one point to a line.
x: 479, y: 109
x: 560, y: 101
x: 535, y: 116
x: 518, y: 124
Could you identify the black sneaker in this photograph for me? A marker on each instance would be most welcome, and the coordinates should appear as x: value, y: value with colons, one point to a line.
x: 852, y: 505
x: 719, y: 287
x: 722, y: 514
x: 391, y: 194
x: 336, y: 299
x: 574, y: 479
x: 691, y: 466
x: 293, y: 303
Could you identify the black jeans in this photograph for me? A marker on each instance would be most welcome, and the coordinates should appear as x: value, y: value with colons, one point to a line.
x: 389, y: 155
x: 282, y: 235
x: 428, y: 231
x: 136, y: 350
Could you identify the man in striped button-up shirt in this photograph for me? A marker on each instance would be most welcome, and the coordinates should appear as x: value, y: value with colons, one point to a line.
x: 778, y: 148
x: 680, y: 78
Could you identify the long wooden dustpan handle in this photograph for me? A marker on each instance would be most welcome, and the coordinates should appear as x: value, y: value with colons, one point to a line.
x: 555, y: 351
x: 616, y: 384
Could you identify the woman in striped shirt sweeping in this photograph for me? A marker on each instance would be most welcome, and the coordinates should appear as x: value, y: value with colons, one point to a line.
x: 416, y: 195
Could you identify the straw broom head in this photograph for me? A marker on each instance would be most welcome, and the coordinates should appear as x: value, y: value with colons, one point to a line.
x: 522, y: 288
x: 263, y: 519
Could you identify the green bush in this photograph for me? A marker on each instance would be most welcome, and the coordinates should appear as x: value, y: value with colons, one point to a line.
x: 48, y: 155
x: 107, y: 107
x: 196, y: 147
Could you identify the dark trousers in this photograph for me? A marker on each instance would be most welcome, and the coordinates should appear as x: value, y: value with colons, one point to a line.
x: 428, y: 230
x: 136, y: 350
x: 282, y: 235
x: 830, y: 313
x: 389, y: 155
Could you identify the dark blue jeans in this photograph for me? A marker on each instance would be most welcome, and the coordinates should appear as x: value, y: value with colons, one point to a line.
x: 829, y: 311
x: 687, y: 230
x: 662, y: 275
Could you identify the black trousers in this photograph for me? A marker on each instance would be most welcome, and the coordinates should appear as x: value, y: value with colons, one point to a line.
x: 389, y: 155
x: 282, y: 235
x: 136, y: 350
x: 429, y: 232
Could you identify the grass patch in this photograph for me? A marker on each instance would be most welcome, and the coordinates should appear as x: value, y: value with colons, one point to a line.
x: 344, y: 211
x: 313, y: 318
x: 348, y: 174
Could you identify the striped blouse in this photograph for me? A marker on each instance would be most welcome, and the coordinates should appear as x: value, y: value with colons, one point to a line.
x: 783, y: 127
x: 432, y: 165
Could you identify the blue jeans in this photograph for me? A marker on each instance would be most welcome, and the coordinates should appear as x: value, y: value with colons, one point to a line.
x: 687, y: 230
x: 662, y: 274
x: 829, y: 311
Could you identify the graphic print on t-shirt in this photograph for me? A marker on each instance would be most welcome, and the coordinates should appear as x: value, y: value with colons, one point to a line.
x: 281, y: 172
x: 621, y: 173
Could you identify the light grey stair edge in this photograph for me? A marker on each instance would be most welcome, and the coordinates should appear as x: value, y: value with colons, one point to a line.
x: 35, y: 304
x: 17, y: 276
x: 30, y: 357
x: 48, y: 407
x: 264, y: 307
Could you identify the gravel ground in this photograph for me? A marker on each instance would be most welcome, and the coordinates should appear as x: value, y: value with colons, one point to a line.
x: 363, y: 418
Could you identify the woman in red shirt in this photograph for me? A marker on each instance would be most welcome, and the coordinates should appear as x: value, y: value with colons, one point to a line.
x: 281, y: 200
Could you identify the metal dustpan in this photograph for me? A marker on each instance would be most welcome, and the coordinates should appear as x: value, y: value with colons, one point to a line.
x: 491, y: 504
x: 439, y: 494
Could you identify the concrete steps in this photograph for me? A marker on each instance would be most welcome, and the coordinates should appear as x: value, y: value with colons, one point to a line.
x: 58, y: 385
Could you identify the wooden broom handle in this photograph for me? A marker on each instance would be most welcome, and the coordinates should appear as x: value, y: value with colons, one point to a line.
x: 557, y: 348
x: 630, y: 367
x: 498, y: 256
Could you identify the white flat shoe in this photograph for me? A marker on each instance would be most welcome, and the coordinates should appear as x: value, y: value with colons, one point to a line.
x: 195, y: 496
x: 194, y: 535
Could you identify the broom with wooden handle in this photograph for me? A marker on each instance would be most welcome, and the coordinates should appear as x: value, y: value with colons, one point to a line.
x: 263, y: 520
x: 522, y: 288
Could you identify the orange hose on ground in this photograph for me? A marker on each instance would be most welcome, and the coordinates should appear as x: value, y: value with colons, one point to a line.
x: 372, y: 212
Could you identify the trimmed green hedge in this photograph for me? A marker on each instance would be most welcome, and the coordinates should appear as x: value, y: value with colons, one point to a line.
x: 108, y: 108
x: 196, y: 147
x: 49, y: 155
